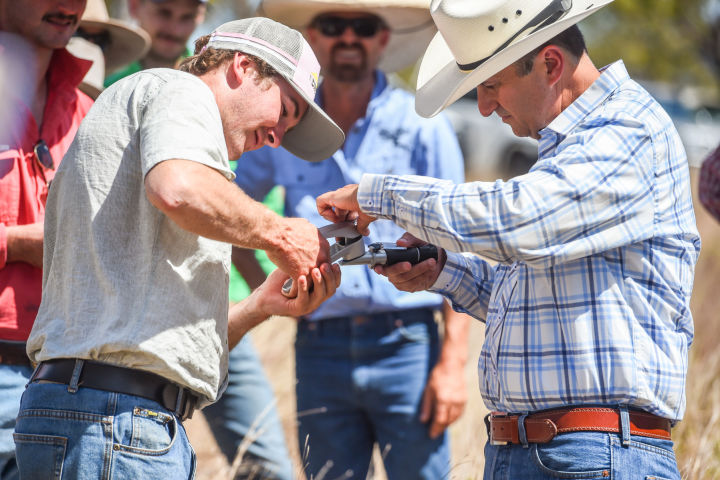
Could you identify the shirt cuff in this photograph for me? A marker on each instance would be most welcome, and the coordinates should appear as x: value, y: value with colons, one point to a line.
x: 3, y: 245
x: 370, y: 193
x: 448, y: 280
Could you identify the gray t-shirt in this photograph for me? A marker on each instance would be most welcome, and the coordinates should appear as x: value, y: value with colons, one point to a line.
x: 122, y: 283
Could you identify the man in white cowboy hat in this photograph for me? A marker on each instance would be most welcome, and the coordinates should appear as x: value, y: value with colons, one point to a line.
x: 169, y: 24
x: 40, y: 111
x: 387, y: 378
x: 587, y: 312
x: 110, y: 43
x: 133, y: 332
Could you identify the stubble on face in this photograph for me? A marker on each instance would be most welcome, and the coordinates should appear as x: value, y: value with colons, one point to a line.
x: 348, y: 62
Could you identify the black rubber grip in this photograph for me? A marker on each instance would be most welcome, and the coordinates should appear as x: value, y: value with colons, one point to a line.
x: 413, y: 255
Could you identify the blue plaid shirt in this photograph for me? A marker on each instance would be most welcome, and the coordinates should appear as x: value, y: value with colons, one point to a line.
x: 596, y: 248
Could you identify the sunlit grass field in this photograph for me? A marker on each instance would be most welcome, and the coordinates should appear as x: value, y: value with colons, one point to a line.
x: 697, y: 437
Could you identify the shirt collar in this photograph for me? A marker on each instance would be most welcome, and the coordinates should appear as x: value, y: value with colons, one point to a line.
x: 611, y: 77
x: 66, y: 70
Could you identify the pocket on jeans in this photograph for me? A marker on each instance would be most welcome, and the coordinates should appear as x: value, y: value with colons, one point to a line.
x: 153, y: 432
x: 574, y: 455
x: 40, y: 456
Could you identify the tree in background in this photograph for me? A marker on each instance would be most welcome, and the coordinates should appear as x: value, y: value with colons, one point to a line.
x: 674, y: 41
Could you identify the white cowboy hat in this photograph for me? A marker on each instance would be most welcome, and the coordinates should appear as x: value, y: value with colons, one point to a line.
x: 477, y: 39
x: 127, y: 42
x: 411, y: 27
x: 92, y: 83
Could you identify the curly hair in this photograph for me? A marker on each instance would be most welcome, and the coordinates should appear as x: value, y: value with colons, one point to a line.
x: 207, y: 59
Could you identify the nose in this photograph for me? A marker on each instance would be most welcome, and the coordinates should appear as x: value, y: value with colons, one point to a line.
x: 274, y: 136
x: 486, y: 102
x: 348, y: 35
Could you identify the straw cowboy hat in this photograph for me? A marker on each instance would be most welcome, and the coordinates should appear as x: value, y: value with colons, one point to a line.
x: 92, y: 83
x: 410, y: 24
x: 477, y: 39
x: 127, y: 42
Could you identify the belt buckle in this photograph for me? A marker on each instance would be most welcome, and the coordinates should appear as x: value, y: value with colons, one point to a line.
x: 497, y: 443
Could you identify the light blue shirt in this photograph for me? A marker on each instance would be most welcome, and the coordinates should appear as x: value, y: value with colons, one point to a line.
x: 390, y: 139
x: 597, y: 244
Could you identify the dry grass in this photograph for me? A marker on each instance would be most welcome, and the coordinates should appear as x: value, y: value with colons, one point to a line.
x: 697, y: 437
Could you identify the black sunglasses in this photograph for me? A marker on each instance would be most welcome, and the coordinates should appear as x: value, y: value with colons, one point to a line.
x: 332, y: 26
x: 43, y: 156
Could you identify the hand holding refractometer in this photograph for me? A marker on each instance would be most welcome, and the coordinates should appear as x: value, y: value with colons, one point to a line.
x: 350, y: 250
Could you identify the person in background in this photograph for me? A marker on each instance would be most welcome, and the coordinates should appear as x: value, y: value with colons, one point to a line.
x: 40, y: 111
x: 109, y: 43
x: 709, y: 184
x: 133, y: 333
x: 248, y: 407
x: 169, y: 24
x: 587, y: 310
x: 386, y: 378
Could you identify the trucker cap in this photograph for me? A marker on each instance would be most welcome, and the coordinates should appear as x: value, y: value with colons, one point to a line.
x: 316, y: 137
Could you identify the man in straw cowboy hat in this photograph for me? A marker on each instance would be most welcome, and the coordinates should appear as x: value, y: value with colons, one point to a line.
x: 133, y: 332
x: 110, y: 43
x: 386, y: 377
x: 587, y: 312
x: 40, y: 111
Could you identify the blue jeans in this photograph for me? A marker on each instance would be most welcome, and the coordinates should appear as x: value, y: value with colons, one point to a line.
x: 584, y: 455
x: 13, y: 379
x: 360, y: 382
x: 246, y: 412
x: 92, y: 434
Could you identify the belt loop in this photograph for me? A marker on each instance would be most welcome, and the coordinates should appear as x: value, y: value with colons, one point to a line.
x: 75, y: 378
x: 34, y: 374
x: 522, y: 434
x: 624, y: 425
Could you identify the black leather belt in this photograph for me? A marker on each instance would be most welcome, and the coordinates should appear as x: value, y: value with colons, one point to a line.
x: 110, y: 378
x: 13, y: 353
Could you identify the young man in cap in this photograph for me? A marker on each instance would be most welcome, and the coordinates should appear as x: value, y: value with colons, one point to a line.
x: 169, y: 24
x: 587, y: 311
x: 387, y: 378
x: 132, y: 334
x: 242, y: 413
x: 40, y: 111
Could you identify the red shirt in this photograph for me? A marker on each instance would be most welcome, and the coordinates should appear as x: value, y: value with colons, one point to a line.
x: 23, y: 182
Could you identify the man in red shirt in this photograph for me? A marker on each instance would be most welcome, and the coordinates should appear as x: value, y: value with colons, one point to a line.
x: 40, y: 111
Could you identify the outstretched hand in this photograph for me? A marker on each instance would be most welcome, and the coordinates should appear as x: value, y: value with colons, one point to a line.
x: 413, y: 278
x: 341, y: 205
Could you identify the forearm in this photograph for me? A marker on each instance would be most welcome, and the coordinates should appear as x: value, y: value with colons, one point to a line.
x: 24, y: 243
x: 455, y: 338
x: 242, y: 317
x: 202, y: 201
x: 466, y: 281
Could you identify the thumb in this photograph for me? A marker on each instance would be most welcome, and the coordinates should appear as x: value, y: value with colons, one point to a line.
x: 426, y: 406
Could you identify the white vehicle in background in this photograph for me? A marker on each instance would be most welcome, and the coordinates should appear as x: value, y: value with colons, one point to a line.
x: 490, y: 147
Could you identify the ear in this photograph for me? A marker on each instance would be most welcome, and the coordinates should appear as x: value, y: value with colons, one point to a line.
x: 384, y: 37
x: 311, y: 34
x: 554, y: 63
x: 239, y: 69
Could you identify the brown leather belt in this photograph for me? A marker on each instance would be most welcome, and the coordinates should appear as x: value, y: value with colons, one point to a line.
x: 544, y: 426
x: 13, y: 353
x: 110, y: 378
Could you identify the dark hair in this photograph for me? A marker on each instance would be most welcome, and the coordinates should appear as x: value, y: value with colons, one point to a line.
x: 207, y: 59
x: 571, y: 40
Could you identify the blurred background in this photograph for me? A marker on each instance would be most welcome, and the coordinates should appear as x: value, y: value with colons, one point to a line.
x: 672, y: 47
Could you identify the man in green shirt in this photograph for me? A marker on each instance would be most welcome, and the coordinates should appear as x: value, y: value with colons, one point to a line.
x: 170, y: 24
